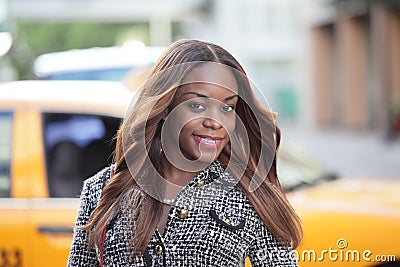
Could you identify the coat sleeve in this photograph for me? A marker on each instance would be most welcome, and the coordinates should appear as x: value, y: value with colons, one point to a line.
x: 80, y: 254
x: 265, y: 250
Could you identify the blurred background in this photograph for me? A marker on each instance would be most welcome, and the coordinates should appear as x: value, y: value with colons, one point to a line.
x: 331, y: 69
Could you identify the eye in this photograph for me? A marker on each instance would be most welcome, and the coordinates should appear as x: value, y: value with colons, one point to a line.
x: 196, y: 106
x: 228, y: 108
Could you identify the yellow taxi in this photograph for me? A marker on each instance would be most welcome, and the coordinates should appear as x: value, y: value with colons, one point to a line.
x: 54, y: 134
x: 347, y: 221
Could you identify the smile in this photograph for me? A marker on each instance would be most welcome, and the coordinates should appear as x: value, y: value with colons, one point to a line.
x: 207, y: 140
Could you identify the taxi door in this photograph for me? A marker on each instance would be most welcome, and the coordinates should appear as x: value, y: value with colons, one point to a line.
x: 52, y: 222
x: 49, y: 221
x: 70, y: 147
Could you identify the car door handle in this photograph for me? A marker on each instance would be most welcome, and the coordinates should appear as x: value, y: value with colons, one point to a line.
x: 55, y: 229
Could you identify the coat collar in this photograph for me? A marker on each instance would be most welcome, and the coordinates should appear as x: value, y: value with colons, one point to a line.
x: 215, y: 172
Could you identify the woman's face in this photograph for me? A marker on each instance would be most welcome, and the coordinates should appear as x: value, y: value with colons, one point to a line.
x: 203, y: 114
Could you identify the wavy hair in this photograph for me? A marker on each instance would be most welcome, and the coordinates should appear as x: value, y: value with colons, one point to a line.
x: 259, y: 166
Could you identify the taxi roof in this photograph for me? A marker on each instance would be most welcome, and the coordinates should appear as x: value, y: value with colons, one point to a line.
x: 98, y: 97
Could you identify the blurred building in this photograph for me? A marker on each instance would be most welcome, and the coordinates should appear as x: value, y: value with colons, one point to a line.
x: 356, y: 65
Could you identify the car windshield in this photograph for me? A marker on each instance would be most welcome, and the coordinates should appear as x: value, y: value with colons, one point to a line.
x: 297, y: 170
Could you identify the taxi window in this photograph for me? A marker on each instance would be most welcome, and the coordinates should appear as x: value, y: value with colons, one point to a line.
x: 77, y: 146
x: 6, y: 122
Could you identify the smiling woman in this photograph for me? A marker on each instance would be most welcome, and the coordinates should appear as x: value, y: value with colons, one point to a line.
x: 194, y: 180
x: 203, y: 120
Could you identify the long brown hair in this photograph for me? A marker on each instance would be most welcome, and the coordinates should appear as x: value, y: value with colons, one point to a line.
x: 268, y: 199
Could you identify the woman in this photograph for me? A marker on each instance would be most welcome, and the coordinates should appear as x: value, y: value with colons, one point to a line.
x: 194, y: 181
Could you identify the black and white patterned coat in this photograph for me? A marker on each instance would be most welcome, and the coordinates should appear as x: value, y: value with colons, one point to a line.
x: 211, y: 223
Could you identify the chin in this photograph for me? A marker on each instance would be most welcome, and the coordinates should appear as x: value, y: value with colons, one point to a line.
x: 209, y: 158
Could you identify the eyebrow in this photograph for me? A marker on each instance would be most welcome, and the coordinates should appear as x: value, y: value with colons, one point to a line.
x: 201, y: 95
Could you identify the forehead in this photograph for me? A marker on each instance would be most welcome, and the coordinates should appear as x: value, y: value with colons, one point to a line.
x: 212, y: 75
x: 207, y: 90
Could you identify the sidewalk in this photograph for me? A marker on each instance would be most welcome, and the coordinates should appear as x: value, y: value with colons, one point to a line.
x: 348, y: 153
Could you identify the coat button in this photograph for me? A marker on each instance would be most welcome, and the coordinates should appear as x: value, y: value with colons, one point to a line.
x: 159, y: 250
x: 182, y: 214
x: 228, y: 221
x: 200, y: 183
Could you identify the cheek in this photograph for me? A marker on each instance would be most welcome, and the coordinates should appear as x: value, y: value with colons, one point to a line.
x: 230, y: 125
x: 182, y: 124
x: 187, y: 127
x: 177, y: 122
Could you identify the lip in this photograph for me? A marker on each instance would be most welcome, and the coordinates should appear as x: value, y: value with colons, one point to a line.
x: 207, y: 140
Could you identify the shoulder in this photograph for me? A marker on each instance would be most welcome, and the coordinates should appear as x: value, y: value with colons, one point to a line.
x: 93, y: 186
x: 100, y: 178
x: 90, y: 195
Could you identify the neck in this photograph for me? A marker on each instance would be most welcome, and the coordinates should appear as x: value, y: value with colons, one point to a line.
x: 175, y: 175
x: 176, y: 179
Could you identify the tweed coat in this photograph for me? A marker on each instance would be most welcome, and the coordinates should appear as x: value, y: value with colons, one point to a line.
x: 211, y: 223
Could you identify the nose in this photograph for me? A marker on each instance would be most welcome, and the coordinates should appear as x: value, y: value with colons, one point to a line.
x: 212, y: 123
